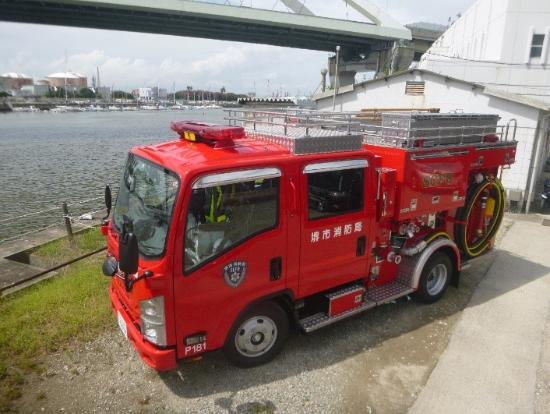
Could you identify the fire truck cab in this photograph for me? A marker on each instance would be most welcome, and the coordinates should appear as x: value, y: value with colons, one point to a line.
x: 229, y: 235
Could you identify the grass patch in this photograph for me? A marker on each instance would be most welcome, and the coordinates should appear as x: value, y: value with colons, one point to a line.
x: 46, y: 317
x: 62, y: 250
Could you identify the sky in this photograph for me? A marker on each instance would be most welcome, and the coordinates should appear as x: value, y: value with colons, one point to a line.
x: 130, y: 60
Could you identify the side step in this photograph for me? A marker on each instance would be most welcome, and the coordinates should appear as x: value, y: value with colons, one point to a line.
x: 373, y: 297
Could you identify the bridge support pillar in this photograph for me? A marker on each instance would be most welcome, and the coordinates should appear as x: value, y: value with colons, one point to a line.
x: 349, y: 65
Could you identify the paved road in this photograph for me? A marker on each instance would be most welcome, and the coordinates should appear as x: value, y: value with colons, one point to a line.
x: 498, y: 358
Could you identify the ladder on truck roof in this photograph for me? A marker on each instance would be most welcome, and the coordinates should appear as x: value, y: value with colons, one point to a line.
x: 308, y: 131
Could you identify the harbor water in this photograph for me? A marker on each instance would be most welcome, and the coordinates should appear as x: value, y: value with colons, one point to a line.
x: 49, y: 158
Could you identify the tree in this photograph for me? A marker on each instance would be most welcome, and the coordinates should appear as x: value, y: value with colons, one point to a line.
x: 86, y: 93
x: 189, y: 89
x: 122, y: 95
x: 56, y: 93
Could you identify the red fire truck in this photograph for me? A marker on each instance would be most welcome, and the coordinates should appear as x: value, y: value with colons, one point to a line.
x: 230, y: 235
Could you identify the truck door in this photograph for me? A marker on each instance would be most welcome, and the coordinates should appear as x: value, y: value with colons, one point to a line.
x: 233, y: 243
x: 335, y: 225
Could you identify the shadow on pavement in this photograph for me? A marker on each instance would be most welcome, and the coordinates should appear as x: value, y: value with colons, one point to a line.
x: 213, y: 374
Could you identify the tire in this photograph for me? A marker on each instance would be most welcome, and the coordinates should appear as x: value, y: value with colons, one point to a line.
x: 257, y: 336
x: 435, y: 278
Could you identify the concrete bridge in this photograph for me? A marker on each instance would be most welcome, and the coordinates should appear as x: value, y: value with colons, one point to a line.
x: 300, y: 29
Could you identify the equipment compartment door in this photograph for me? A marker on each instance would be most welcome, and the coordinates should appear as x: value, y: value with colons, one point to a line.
x: 234, y: 251
x: 336, y: 224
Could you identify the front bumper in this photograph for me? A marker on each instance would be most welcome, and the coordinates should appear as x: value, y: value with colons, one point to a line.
x: 160, y: 359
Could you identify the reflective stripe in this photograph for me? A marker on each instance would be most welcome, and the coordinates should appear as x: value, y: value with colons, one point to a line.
x: 234, y: 177
x: 215, y: 215
x: 335, y: 166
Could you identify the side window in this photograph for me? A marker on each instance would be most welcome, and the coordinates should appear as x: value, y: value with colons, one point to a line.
x: 222, y: 216
x: 334, y: 192
x: 537, y: 43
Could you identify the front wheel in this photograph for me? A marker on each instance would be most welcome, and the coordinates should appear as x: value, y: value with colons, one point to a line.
x: 435, y: 278
x: 258, y: 336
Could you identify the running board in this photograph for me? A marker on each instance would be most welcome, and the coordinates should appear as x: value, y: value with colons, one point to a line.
x: 373, y: 297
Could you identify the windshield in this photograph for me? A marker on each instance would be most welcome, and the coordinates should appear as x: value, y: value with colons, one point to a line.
x: 146, y: 196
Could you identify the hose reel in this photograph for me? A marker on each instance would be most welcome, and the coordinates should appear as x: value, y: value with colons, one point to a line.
x: 479, y: 219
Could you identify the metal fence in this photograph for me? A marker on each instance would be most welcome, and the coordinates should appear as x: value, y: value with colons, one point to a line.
x: 73, y: 214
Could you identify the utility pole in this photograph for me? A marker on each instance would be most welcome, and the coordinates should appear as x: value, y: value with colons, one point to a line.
x: 336, y: 78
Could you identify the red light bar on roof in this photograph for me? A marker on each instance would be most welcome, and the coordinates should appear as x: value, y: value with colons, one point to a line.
x: 212, y: 134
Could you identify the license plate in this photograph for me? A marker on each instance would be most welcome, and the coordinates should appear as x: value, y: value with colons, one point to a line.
x: 122, y: 325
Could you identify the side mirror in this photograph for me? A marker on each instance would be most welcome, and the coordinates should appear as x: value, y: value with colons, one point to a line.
x: 128, y: 254
x: 108, y: 200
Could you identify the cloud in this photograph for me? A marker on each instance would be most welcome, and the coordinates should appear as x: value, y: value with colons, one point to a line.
x: 213, y: 65
x: 239, y: 67
x: 131, y: 60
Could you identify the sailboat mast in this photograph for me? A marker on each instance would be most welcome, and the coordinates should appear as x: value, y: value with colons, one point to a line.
x: 66, y: 64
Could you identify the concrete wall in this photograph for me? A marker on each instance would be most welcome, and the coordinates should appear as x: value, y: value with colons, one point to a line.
x: 448, y: 95
x: 491, y: 44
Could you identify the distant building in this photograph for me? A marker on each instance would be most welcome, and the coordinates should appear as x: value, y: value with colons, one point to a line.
x: 73, y: 80
x: 37, y: 89
x: 143, y: 94
x: 104, y: 91
x: 159, y: 93
x: 14, y: 81
x: 267, y: 102
x: 504, y: 44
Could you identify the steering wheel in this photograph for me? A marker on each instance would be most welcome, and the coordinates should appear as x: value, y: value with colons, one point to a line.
x: 144, y: 229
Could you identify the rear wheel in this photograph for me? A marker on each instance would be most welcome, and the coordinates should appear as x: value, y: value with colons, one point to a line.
x: 435, y: 278
x: 258, y: 336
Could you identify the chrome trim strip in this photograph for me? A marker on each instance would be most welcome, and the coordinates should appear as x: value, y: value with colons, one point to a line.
x: 234, y: 177
x: 335, y: 166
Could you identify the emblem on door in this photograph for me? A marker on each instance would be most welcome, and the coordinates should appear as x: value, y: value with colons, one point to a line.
x: 234, y: 273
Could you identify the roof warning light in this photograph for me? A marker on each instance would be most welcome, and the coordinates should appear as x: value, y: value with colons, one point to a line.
x: 211, y: 134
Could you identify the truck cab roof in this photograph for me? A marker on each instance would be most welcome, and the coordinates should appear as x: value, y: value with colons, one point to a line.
x: 183, y: 157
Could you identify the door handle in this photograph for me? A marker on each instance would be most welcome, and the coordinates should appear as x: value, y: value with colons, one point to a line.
x: 294, y: 202
x: 275, y: 268
x: 361, y: 244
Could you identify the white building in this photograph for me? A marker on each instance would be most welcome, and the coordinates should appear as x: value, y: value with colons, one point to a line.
x: 104, y: 92
x: 424, y: 89
x: 37, y: 89
x: 143, y: 94
x: 12, y: 81
x: 71, y: 80
x: 501, y: 43
x: 159, y: 93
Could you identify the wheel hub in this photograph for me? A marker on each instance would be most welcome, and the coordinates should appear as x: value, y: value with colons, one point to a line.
x: 256, y: 336
x: 436, y: 279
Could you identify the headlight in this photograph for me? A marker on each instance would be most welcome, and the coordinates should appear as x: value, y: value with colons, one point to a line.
x: 152, y: 320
